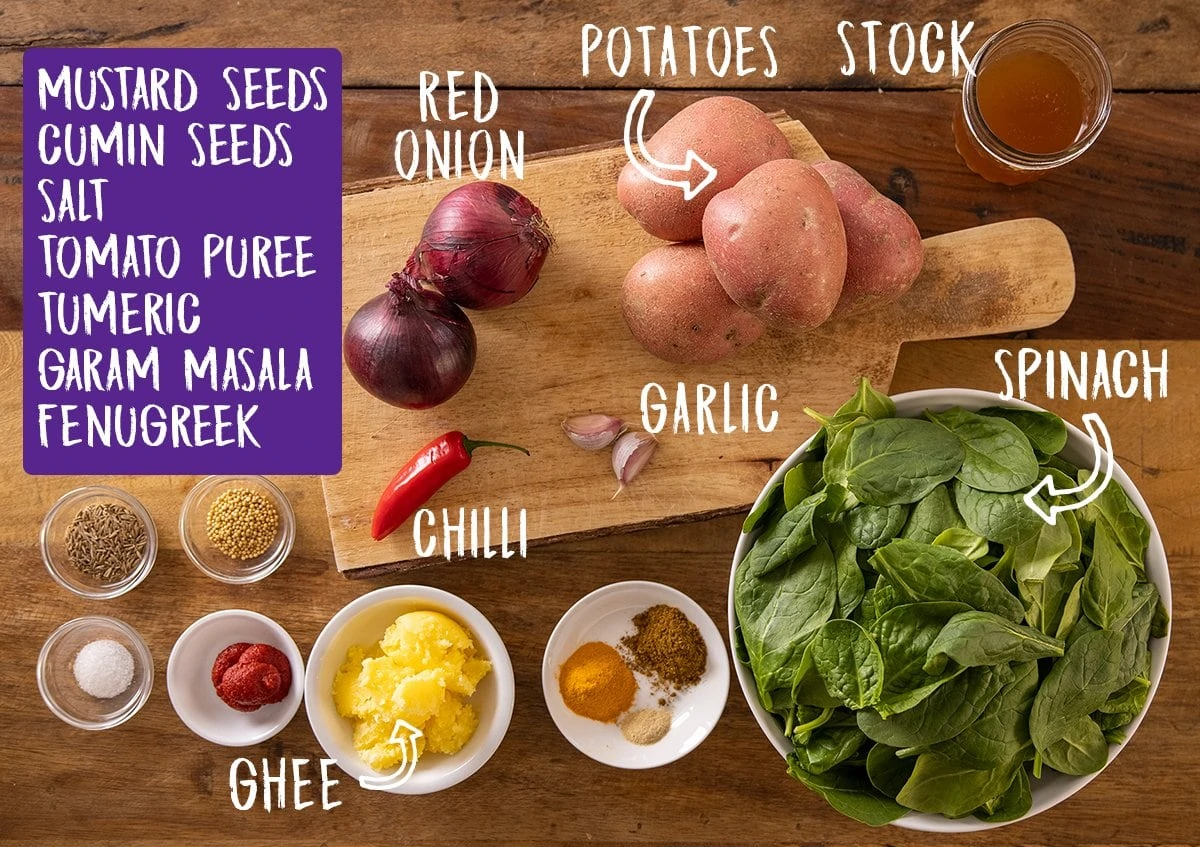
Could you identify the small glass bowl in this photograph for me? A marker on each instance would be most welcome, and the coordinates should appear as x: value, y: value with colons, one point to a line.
x: 194, y: 535
x: 54, y: 542
x: 56, y: 674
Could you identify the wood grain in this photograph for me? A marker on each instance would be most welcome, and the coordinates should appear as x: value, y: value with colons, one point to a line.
x: 151, y: 782
x: 1130, y: 207
x: 564, y: 350
x: 537, y: 44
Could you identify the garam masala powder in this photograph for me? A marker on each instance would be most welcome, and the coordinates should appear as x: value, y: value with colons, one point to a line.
x: 667, y: 647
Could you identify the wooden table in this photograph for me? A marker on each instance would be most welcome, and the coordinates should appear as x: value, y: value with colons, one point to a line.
x: 1130, y: 208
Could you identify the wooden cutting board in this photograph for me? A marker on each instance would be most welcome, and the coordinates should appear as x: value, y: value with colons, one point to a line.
x: 565, y: 350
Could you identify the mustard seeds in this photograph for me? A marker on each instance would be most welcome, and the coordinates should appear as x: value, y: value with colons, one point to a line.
x: 242, y: 523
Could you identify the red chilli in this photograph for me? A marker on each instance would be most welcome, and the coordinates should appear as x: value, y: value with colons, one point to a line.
x: 433, y: 466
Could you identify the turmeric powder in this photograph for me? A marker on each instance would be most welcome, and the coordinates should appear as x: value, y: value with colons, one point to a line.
x: 595, y: 682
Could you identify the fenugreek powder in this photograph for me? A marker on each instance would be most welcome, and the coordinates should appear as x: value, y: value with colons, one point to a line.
x: 242, y: 523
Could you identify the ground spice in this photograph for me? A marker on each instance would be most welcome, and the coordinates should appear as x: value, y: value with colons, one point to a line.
x: 667, y: 647
x: 595, y: 682
x: 646, y: 726
x: 242, y: 523
x: 106, y: 541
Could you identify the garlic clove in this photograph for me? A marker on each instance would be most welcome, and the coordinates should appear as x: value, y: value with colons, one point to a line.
x: 630, y: 454
x: 593, y: 431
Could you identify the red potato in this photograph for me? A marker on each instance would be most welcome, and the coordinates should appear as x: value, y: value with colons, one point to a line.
x: 675, y: 307
x: 884, y: 252
x: 730, y: 134
x: 777, y: 245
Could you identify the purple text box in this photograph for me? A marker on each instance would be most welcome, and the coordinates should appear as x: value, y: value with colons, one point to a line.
x: 144, y: 171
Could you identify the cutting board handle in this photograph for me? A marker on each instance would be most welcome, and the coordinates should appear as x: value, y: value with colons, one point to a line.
x: 998, y: 278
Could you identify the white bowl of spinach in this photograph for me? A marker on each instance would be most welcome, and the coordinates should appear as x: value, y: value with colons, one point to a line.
x: 922, y: 647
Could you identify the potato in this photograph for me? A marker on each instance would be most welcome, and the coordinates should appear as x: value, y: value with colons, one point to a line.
x: 679, y: 312
x: 730, y: 134
x: 776, y: 243
x: 883, y: 246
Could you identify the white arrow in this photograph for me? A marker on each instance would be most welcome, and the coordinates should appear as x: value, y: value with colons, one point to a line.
x: 637, y: 113
x: 406, y: 735
x: 1102, y: 447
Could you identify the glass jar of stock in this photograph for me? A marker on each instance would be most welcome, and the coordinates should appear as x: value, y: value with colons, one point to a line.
x: 1036, y: 97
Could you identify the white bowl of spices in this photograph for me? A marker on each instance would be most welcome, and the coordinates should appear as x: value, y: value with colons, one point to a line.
x: 98, y: 542
x: 635, y: 675
x: 95, y: 672
x: 237, y: 529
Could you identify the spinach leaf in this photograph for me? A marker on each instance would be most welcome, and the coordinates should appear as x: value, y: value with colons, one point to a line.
x: 1113, y: 726
x: 1109, y: 580
x: 1064, y: 482
x: 940, y: 786
x: 997, y: 455
x: 1129, y: 528
x: 923, y: 572
x: 1003, y: 568
x: 1076, y: 686
x: 1160, y: 621
x: 1081, y: 749
x: 1052, y: 544
x: 943, y: 714
x: 808, y: 687
x: 851, y: 585
x: 877, y: 601
x: 982, y: 638
x: 973, y: 546
x: 828, y: 747
x: 1001, y: 733
x: 848, y: 790
x: 1061, y: 466
x: 1135, y: 634
x: 1045, y: 599
x: 1045, y: 430
x: 1122, y: 707
x: 898, y: 460
x: 1128, y: 700
x: 779, y: 610
x: 783, y: 542
x: 801, y: 482
x: 766, y: 512
x: 849, y: 662
x: 1082, y: 627
x: 1044, y: 570
x: 1003, y: 518
x: 1012, y: 805
x: 869, y: 402
x: 834, y: 466
x: 932, y: 516
x: 1071, y: 610
x: 803, y: 721
x: 904, y: 635
x: 873, y: 526
x: 887, y: 771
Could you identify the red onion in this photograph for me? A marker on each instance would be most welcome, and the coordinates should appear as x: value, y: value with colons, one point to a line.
x: 483, y: 245
x: 410, y: 346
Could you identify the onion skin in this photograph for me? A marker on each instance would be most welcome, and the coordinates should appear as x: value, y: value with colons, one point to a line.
x: 483, y: 245
x: 410, y: 346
